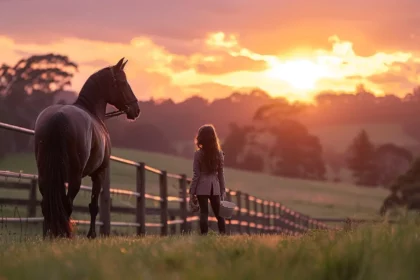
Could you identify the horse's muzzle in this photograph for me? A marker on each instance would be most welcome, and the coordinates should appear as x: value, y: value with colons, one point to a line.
x: 133, y: 111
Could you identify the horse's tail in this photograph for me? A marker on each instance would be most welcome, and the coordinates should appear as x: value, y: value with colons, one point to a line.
x: 53, y: 169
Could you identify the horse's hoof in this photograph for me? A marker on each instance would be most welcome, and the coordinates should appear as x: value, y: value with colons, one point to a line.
x: 91, y: 235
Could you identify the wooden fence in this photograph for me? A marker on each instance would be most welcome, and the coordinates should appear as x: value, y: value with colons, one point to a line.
x: 252, y: 215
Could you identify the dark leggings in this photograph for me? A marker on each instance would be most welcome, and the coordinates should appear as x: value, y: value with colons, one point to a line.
x: 204, y: 212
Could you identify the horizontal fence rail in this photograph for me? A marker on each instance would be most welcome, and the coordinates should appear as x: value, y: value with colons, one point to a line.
x: 254, y: 216
x: 283, y: 220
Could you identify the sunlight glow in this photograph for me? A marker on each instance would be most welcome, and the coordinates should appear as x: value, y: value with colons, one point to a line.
x: 300, y: 74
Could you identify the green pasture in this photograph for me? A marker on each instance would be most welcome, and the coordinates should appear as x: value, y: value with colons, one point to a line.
x: 369, y: 252
x: 316, y: 198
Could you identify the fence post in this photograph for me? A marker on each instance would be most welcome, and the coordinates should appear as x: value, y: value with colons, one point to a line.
x: 305, y: 222
x: 163, y: 183
x: 298, y: 221
x: 295, y: 216
x: 141, y: 200
x: 105, y: 204
x: 172, y: 226
x: 256, y: 219
x: 262, y: 219
x: 266, y: 216
x: 248, y: 214
x: 229, y: 198
x: 269, y: 203
x: 32, y: 199
x: 183, y: 204
x: 291, y: 215
x: 285, y: 219
x: 308, y: 222
x: 239, y: 204
x: 311, y: 224
x: 280, y: 223
x: 275, y: 217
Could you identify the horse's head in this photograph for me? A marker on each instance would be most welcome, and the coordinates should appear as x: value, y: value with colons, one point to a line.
x: 119, y: 93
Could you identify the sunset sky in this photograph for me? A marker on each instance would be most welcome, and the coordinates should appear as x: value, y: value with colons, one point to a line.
x: 291, y: 48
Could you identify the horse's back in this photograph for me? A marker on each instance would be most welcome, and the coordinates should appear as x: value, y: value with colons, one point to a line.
x: 77, y: 123
x: 75, y: 116
x: 84, y: 143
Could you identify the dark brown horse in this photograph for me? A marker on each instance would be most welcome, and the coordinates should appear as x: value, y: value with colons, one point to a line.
x: 72, y: 142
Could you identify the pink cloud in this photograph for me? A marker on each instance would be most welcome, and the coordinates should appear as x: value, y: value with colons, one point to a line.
x: 264, y: 26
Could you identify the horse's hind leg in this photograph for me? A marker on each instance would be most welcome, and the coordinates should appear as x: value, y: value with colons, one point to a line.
x: 97, y: 180
x: 74, y: 177
x: 44, y: 225
x: 74, y: 187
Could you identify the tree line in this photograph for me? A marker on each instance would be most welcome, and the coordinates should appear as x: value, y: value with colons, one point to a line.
x: 258, y: 132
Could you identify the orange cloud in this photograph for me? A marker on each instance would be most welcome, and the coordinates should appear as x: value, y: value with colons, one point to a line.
x: 301, y: 74
x: 219, y: 62
x: 226, y: 64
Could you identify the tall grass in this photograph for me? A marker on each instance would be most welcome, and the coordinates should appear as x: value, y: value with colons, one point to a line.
x: 369, y: 252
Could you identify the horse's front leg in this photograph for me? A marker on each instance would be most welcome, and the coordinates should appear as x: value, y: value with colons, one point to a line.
x: 97, y: 181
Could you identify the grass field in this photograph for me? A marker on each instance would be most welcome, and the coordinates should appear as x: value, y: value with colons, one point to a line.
x: 370, y: 252
x: 318, y: 199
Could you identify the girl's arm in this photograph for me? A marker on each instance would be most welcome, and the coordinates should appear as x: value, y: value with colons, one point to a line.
x: 221, y: 174
x: 196, y: 173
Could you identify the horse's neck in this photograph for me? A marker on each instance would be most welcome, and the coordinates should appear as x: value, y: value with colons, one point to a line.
x: 95, y: 106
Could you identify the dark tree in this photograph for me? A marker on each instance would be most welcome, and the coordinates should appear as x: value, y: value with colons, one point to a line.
x: 391, y: 161
x: 26, y: 88
x: 235, y: 142
x: 252, y: 162
x: 361, y: 160
x: 296, y: 153
x: 279, y: 108
x: 405, y: 189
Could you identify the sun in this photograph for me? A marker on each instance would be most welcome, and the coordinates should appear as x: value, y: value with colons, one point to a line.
x: 301, y: 74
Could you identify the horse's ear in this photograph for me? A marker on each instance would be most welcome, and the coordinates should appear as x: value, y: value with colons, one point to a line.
x: 122, y: 67
x: 119, y: 64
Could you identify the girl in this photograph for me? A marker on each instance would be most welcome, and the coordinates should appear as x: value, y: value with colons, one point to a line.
x: 208, y: 182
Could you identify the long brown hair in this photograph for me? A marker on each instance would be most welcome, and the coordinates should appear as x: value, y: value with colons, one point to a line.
x: 207, y: 141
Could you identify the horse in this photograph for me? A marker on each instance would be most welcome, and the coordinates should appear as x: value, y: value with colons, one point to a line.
x: 72, y: 142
